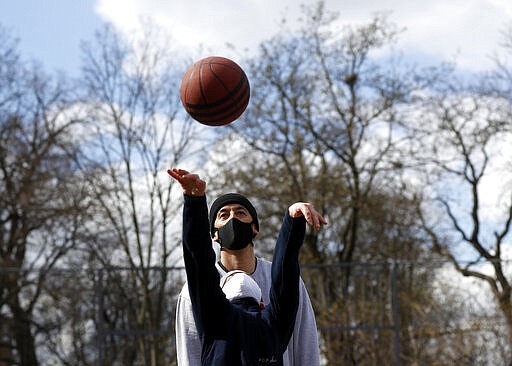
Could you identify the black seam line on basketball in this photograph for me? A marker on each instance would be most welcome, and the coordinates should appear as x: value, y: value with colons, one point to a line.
x: 240, y: 102
x: 226, y: 110
x: 201, y: 82
x: 243, y: 80
x: 204, y: 118
x: 216, y: 117
x: 241, y: 99
x: 221, y: 63
x: 213, y: 121
x: 222, y: 82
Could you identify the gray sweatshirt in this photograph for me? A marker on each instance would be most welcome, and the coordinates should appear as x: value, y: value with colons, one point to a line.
x: 302, y: 350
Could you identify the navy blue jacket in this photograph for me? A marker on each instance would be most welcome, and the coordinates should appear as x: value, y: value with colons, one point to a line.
x: 240, y: 332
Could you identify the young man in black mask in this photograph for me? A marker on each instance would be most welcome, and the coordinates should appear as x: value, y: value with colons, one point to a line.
x: 233, y: 221
x: 237, y: 253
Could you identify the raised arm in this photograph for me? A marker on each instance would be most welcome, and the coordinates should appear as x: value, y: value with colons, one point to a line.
x: 284, y: 292
x: 208, y: 301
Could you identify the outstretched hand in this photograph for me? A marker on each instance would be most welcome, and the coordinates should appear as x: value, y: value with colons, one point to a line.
x: 191, y: 184
x: 305, y: 209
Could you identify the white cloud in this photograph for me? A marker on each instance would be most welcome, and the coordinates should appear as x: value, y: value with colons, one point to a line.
x: 469, y: 30
x: 196, y: 22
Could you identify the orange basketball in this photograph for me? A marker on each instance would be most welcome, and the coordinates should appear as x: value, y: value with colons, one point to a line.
x: 215, y: 91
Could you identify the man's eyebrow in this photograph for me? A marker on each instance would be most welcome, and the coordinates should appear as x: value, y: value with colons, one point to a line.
x: 236, y: 207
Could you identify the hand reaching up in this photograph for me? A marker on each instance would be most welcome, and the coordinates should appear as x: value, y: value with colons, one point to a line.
x: 191, y: 184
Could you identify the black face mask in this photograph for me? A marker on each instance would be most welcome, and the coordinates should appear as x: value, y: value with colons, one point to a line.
x: 235, y: 234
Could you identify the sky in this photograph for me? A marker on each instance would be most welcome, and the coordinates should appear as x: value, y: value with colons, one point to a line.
x: 50, y: 31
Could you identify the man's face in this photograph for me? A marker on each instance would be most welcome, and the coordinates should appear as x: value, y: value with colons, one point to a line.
x: 230, y: 211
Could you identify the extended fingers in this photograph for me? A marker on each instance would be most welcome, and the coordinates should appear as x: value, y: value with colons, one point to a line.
x: 174, y: 175
x: 191, y: 183
x: 177, y: 174
x: 312, y: 216
x: 318, y: 220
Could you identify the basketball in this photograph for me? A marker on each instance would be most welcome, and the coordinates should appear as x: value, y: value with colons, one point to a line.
x: 215, y: 91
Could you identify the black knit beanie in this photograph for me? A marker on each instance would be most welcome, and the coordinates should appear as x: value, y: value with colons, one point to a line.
x: 231, y: 198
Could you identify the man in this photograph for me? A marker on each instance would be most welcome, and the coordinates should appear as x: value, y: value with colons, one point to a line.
x: 303, y: 347
x: 233, y: 329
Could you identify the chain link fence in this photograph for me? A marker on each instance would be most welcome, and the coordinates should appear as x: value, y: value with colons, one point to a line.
x: 367, y: 314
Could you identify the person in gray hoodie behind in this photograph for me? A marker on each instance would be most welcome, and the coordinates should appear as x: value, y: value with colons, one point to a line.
x: 303, y: 348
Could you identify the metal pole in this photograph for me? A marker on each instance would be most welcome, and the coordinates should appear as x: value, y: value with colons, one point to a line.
x: 394, y: 305
x: 99, y: 319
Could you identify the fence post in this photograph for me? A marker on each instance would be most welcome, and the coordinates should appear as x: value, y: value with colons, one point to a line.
x: 99, y: 319
x: 396, y: 322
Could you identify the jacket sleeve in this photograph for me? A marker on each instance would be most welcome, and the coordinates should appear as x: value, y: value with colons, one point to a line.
x: 208, y: 302
x: 284, y: 291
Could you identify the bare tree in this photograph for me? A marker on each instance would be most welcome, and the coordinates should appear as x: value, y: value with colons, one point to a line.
x: 326, y: 124
x: 135, y: 130
x: 465, y: 134
x: 330, y: 114
x: 43, y: 203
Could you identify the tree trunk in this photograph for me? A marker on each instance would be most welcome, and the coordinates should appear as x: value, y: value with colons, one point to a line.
x: 506, y: 307
x: 24, y: 339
